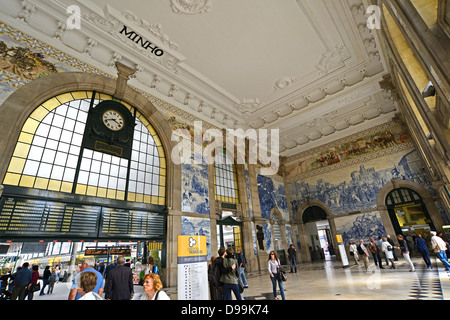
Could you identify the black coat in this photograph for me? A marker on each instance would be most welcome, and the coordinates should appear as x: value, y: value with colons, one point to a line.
x: 120, y: 283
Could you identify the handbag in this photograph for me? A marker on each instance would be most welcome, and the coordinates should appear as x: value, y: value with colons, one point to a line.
x: 241, y: 286
x: 282, y: 274
x: 35, y: 287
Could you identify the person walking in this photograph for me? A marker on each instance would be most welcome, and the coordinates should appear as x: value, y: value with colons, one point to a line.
x: 388, y: 250
x: 217, y: 269
x: 422, y: 248
x: 362, y: 251
x: 52, y: 280
x: 375, y: 253
x: 354, y: 252
x: 439, y: 247
x: 87, y: 265
x: 405, y: 251
x: 242, y: 261
x: 32, y: 286
x: 273, y: 264
x: 292, y: 253
x: 120, y: 283
x: 151, y: 266
x: 21, y: 281
x: 45, y: 279
x: 391, y: 242
x: 230, y: 278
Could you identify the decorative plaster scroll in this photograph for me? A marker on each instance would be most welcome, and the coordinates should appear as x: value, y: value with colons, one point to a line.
x: 248, y: 105
x: 154, y: 29
x: 333, y: 60
x: 190, y: 6
x: 284, y: 82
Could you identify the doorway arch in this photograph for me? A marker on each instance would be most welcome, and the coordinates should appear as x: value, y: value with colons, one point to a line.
x: 314, y: 216
x: 412, y: 194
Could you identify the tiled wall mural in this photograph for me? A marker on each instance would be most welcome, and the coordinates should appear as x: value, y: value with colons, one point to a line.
x: 375, y: 142
x: 360, y: 226
x: 200, y: 227
x: 272, y: 194
x: 194, y: 188
x: 356, y: 187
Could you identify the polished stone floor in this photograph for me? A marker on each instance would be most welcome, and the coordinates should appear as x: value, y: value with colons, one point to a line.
x: 328, y: 280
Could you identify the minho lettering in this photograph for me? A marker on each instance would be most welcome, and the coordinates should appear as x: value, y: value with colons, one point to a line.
x: 147, y: 45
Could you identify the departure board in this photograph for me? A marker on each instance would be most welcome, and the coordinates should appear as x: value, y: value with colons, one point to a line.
x: 31, y: 218
x: 36, y: 218
x: 132, y: 223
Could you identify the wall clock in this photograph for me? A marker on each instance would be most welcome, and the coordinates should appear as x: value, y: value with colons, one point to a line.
x: 113, y: 120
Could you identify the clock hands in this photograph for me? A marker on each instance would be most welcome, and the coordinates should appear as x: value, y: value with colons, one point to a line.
x: 113, y: 120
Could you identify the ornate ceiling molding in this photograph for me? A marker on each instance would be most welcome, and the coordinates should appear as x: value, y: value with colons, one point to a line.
x: 190, y: 6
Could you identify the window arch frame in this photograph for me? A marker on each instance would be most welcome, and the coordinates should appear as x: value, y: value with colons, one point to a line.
x: 15, y: 176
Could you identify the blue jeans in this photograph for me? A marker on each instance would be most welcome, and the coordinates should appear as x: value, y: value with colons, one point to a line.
x: 242, y: 276
x: 426, y: 258
x: 377, y: 258
x: 227, y: 288
x: 294, y: 264
x: 443, y: 257
x: 274, y: 280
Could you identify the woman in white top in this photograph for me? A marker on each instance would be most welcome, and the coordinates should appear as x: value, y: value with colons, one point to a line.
x: 388, y: 250
x: 273, y: 265
x: 152, y: 288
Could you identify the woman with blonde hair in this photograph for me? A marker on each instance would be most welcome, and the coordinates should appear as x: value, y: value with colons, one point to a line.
x: 152, y: 288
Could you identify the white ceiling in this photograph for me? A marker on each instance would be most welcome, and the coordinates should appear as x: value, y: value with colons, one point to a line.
x: 308, y: 67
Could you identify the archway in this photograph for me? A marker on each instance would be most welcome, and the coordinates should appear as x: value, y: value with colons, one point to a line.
x: 408, y: 214
x: 404, y: 193
x: 318, y: 230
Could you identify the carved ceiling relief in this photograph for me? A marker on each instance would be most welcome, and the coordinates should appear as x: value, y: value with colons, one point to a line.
x: 251, y: 110
x: 190, y: 6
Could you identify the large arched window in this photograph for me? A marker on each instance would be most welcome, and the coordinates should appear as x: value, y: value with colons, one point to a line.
x: 225, y: 179
x: 52, y: 154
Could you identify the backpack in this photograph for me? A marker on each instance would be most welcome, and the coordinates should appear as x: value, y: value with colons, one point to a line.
x: 214, y: 274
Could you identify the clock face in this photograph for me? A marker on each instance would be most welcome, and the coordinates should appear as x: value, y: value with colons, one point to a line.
x: 113, y: 120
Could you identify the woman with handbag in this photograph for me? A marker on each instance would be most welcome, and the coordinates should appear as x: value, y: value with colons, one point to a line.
x: 273, y: 265
x: 34, y: 285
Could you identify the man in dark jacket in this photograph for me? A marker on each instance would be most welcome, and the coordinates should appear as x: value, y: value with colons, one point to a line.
x: 120, y: 282
x: 21, y: 282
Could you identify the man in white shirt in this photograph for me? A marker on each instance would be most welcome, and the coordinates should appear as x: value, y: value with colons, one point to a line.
x: 439, y: 248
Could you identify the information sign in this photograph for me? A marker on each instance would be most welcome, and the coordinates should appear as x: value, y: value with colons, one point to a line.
x: 192, y: 268
x: 342, y: 251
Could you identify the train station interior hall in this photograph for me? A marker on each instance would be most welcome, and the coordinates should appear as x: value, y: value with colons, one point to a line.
x: 168, y: 129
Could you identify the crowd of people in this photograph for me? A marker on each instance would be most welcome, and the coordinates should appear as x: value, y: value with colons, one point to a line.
x: 384, y: 246
x: 94, y: 281
x: 226, y: 272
